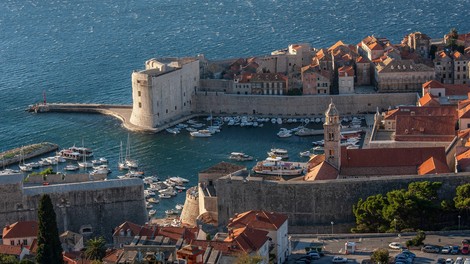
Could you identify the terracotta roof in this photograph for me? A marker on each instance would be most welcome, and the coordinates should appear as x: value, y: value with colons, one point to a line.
x: 389, y: 157
x: 248, y: 239
x: 416, y: 126
x: 441, y: 110
x: 393, y: 65
x: 323, y: 171
x: 390, y: 114
x: 190, y: 250
x: 21, y: 229
x: 428, y: 100
x: 433, y: 166
x: 361, y: 59
x: 113, y: 255
x: 136, y: 230
x: 463, y: 160
x: 176, y: 233
x: 258, y: 220
x: 336, y: 45
x: 464, y: 133
x: 315, y: 160
x: 10, y: 250
x: 33, y: 248
x: 450, y: 89
x: 346, y: 69
x: 375, y: 46
x: 75, y: 258
x: 223, y: 168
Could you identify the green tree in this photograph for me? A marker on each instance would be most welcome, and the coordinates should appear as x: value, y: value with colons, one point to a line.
x: 49, y: 249
x: 380, y: 256
x: 8, y: 259
x: 95, y: 248
x: 369, y: 216
x: 245, y: 258
x: 462, y: 197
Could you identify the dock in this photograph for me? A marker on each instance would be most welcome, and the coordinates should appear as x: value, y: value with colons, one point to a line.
x: 30, y: 151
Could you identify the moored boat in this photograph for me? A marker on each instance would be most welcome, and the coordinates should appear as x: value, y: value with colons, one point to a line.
x: 201, y: 133
x: 152, y: 212
x: 275, y: 166
x: 240, y: 156
x: 276, y: 152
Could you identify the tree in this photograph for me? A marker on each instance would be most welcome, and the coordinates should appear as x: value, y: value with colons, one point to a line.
x: 452, y: 38
x: 96, y: 248
x: 49, y: 248
x: 369, y: 216
x: 380, y: 256
x: 8, y: 259
x: 462, y: 197
x: 245, y: 258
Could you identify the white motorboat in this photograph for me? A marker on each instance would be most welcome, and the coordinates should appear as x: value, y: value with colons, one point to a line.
x: 305, y: 153
x: 153, y: 200
x: 164, y: 196
x: 179, y: 207
x: 85, y: 164
x: 201, y: 133
x: 276, y: 152
x: 25, y: 168
x: 178, y: 187
x: 171, y: 212
x: 178, y: 179
x: 71, y: 167
x: 275, y: 166
x: 240, y: 156
x: 152, y: 212
x: 284, y: 134
x: 148, y: 205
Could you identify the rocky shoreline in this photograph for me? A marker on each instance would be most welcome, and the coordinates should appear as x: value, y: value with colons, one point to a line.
x: 30, y: 151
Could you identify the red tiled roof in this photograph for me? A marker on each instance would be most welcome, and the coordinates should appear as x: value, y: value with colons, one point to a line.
x: 425, y: 127
x: 113, y: 255
x: 464, y: 133
x: 175, y: 233
x: 315, y: 160
x: 75, y: 257
x: 10, y: 250
x: 323, y: 171
x: 450, y: 89
x: 361, y: 59
x: 346, y: 69
x: 375, y: 46
x: 432, y: 166
x: 442, y: 110
x: 389, y: 157
x: 21, y: 229
x: 336, y: 45
x: 428, y: 100
x: 248, y: 239
x: 463, y: 159
x: 258, y: 220
x: 136, y: 230
x: 33, y: 248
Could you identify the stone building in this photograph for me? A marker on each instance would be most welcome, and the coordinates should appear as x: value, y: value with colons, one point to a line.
x: 346, y: 80
x: 163, y: 90
x: 261, y: 84
x: 461, y: 68
x: 401, y: 75
x: 452, y: 67
x: 418, y: 42
x: 315, y: 81
x: 444, y: 68
x: 363, y: 71
x: 372, y: 47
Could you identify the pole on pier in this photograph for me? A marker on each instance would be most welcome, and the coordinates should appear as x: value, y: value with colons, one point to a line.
x: 44, y: 96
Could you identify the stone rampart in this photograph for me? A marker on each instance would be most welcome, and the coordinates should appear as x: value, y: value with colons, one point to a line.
x: 315, y: 105
x: 191, y: 207
x: 101, y: 204
x: 312, y: 206
x: 63, y: 178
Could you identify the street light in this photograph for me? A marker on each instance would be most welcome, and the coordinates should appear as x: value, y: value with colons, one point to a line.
x: 459, y: 221
x: 332, y: 223
x: 395, y: 220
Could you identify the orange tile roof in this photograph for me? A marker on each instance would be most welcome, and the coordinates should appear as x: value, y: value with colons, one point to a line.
x: 463, y: 159
x: 315, y: 160
x: 375, y: 46
x: 248, y: 239
x: 75, y: 258
x: 323, y: 171
x: 336, y: 45
x: 346, y: 69
x: 450, y: 89
x: 464, y: 133
x: 136, y: 230
x: 432, y: 166
x: 113, y: 255
x: 428, y: 100
x: 441, y: 110
x: 424, y: 128
x: 391, y: 114
x: 361, y: 59
x: 10, y: 250
x: 389, y: 157
x: 21, y: 229
x: 258, y: 220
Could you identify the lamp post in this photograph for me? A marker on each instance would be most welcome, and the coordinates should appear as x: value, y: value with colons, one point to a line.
x: 332, y: 223
x: 395, y: 221
x: 459, y: 221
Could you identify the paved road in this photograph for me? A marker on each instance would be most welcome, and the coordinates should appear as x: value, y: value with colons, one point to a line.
x: 365, y: 246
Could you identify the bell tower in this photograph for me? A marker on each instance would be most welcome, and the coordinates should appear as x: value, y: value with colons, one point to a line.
x: 332, y: 136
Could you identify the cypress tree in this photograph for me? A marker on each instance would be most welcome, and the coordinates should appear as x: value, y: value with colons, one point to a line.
x: 49, y: 247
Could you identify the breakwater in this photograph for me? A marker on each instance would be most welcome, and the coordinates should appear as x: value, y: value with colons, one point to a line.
x: 30, y: 151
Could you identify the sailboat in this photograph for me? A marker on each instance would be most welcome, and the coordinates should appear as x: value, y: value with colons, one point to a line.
x: 85, y: 164
x: 121, y: 163
x: 131, y: 163
x: 23, y: 166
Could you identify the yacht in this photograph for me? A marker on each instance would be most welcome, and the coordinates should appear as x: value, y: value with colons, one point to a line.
x: 240, y: 156
x: 201, y: 133
x: 276, y: 152
x: 275, y: 166
x: 71, y: 167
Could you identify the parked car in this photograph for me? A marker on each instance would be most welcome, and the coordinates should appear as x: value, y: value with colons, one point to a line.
x: 465, y: 241
x: 313, y: 255
x: 465, y: 249
x: 402, y: 258
x: 430, y: 249
x: 446, y: 249
x: 441, y: 261
x: 408, y: 253
x: 467, y: 261
x: 395, y: 245
x: 449, y: 261
x: 339, y: 259
x: 459, y: 260
x: 455, y: 250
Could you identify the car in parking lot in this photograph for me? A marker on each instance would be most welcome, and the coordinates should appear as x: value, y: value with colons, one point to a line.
x: 408, y: 253
x: 402, y: 258
x: 455, y: 250
x: 446, y: 249
x: 339, y: 259
x: 459, y: 260
x: 313, y: 255
x: 449, y: 261
x: 465, y: 249
x: 395, y: 245
x: 430, y: 249
x: 467, y: 261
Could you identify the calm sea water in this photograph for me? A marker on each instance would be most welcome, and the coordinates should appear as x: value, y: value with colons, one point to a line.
x: 84, y: 51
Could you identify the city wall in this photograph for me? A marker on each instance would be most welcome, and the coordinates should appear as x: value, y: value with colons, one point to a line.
x: 101, y: 204
x: 312, y: 206
x: 315, y: 105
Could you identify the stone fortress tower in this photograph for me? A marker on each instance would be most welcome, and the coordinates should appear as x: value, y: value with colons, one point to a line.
x: 164, y: 91
x: 332, y: 136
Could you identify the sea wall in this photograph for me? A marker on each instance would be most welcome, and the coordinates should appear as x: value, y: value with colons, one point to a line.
x: 101, y: 204
x: 63, y: 178
x: 312, y: 206
x: 314, y: 105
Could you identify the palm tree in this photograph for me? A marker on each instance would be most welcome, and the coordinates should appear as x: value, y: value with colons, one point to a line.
x: 96, y: 248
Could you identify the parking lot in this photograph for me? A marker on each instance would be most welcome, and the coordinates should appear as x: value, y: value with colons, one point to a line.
x: 334, y: 245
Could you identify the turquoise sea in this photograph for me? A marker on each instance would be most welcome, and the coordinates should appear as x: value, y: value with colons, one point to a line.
x: 84, y: 51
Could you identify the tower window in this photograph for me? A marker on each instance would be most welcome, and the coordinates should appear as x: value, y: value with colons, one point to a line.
x: 140, y: 105
x: 139, y: 94
x: 331, y: 136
